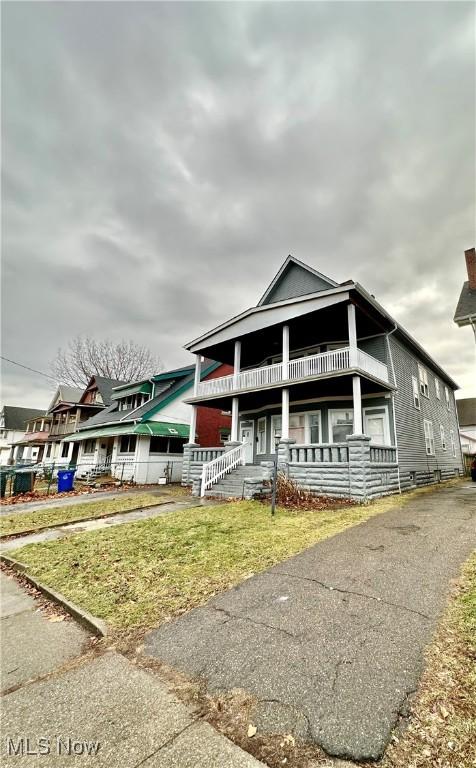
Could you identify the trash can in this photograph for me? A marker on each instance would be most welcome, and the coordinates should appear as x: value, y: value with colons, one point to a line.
x: 23, y: 481
x: 3, y: 483
x: 66, y: 480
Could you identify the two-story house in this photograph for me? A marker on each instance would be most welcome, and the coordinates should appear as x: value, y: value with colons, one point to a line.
x: 323, y: 375
x: 70, y: 407
x: 140, y: 436
x: 13, y: 421
x: 31, y: 447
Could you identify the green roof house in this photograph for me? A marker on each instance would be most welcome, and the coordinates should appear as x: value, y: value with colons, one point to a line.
x: 140, y: 436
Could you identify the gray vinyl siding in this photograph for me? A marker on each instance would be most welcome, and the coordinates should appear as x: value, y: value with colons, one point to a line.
x: 376, y: 346
x: 296, y: 282
x: 409, y: 421
x: 324, y: 408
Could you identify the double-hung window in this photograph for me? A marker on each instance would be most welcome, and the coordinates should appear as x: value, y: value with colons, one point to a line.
x: 341, y: 424
x: 304, y: 428
x: 423, y: 379
x: 453, y: 442
x: 429, y: 438
x: 261, y: 445
x: 437, y: 389
x: 443, y: 437
x: 416, y: 393
x: 447, y: 397
x: 127, y: 444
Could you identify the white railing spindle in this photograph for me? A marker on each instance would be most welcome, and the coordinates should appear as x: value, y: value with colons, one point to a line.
x: 300, y: 368
x: 213, y: 470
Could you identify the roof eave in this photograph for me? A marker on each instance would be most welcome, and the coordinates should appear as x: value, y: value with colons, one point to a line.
x: 266, y: 308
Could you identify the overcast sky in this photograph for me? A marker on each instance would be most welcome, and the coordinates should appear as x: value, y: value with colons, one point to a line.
x: 161, y: 160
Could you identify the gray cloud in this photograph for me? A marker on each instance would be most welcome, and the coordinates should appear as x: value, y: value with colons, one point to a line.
x: 162, y: 159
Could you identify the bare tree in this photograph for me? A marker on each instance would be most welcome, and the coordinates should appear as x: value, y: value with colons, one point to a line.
x: 85, y: 357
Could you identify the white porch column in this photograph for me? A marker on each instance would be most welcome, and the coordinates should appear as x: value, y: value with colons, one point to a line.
x: 237, y: 363
x: 285, y: 415
x: 358, y: 427
x: 193, y: 425
x: 285, y: 351
x: 198, y: 370
x: 352, y: 334
x: 234, y: 420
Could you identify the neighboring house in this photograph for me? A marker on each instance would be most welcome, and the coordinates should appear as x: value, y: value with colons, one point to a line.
x: 325, y: 376
x: 141, y: 435
x: 13, y: 420
x: 466, y: 310
x: 31, y: 447
x: 467, y: 424
x: 70, y: 407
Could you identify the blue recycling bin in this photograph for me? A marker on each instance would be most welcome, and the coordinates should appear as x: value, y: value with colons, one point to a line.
x: 66, y: 480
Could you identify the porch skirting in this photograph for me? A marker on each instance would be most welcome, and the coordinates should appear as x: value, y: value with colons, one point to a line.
x: 355, y: 469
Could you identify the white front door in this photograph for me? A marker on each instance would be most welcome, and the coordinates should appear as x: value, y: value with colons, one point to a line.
x: 246, y: 437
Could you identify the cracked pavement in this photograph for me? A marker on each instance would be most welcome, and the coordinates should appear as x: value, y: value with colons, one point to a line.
x: 53, y: 687
x: 331, y: 642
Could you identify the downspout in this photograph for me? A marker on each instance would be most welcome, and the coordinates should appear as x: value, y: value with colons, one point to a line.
x: 393, y: 405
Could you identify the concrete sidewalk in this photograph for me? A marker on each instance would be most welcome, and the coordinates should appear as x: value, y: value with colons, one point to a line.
x: 51, y: 502
x: 68, y: 529
x: 331, y: 642
x: 95, y: 711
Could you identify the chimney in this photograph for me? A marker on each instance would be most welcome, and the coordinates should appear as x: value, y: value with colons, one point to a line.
x: 470, y: 256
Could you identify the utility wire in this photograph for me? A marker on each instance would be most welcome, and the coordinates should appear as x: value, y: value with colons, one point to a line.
x: 14, y: 362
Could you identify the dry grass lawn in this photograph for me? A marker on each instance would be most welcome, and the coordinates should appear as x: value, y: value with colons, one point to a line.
x: 45, y: 518
x: 136, y: 575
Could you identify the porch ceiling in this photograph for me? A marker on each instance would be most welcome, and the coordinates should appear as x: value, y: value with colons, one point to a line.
x: 323, y: 326
x: 338, y: 386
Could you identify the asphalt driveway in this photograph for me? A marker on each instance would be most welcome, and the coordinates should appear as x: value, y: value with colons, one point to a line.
x: 331, y: 641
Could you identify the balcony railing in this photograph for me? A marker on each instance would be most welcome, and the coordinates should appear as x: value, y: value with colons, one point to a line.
x: 323, y: 364
x: 62, y: 429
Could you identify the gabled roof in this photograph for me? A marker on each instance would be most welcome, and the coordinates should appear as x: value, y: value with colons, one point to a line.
x: 466, y: 308
x: 466, y: 411
x: 104, y: 387
x: 65, y: 394
x: 15, y: 416
x: 294, y: 278
x: 283, y: 310
x: 168, y: 386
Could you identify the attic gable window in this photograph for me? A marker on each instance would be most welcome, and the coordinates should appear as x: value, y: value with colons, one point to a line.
x: 423, y: 379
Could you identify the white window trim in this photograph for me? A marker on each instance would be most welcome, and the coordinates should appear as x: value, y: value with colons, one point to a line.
x: 437, y: 389
x: 416, y: 393
x: 447, y: 398
x: 258, y: 451
x: 386, y: 426
x: 307, y: 426
x: 329, y: 420
x: 423, y: 381
x: 453, y: 442
x: 443, y: 437
x: 429, y: 438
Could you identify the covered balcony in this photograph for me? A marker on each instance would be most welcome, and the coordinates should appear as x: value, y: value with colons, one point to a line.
x: 322, y: 365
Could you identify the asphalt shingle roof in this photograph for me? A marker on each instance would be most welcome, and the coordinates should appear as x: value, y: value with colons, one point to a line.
x: 16, y: 416
x: 467, y: 303
x: 105, y: 387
